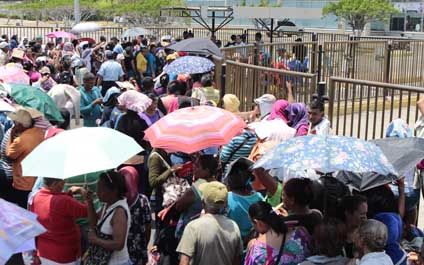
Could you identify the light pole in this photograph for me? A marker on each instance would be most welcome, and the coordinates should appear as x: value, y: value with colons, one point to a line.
x: 77, y: 14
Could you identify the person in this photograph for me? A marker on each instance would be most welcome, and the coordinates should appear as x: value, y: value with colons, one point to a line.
x: 207, y: 94
x: 173, y: 90
x: 110, y: 71
x: 220, y: 243
x: 318, y: 123
x: 282, y: 61
x: 264, y: 105
x: 57, y: 211
x: 297, y: 196
x: 91, y: 100
x: 139, y: 233
x: 328, y: 240
x: 161, y: 85
x: 278, y: 110
x: 231, y: 103
x: 67, y: 98
x: 128, y: 64
x: 371, y: 241
x: 239, y: 41
x: 276, y: 243
x: 241, y: 195
x: 152, y: 114
x: 232, y: 41
x: 4, y: 53
x: 352, y: 210
x: 297, y: 116
x: 113, y: 221
x: 46, y: 82
x: 110, y: 107
x: 151, y: 62
x: 24, y: 137
x: 141, y: 62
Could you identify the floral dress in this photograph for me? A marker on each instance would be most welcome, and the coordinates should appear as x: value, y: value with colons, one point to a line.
x: 137, y: 243
x: 295, y: 251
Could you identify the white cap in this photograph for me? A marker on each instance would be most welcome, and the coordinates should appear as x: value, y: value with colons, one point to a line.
x: 3, y: 45
x: 265, y: 103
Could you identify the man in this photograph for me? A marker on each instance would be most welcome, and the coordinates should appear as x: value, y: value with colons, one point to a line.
x: 24, y: 137
x: 282, y: 61
x: 264, y: 106
x: 318, y: 123
x: 91, y: 100
x: 220, y: 243
x: 4, y: 53
x: 110, y: 71
x: 151, y: 62
x: 239, y: 41
x: 141, y: 62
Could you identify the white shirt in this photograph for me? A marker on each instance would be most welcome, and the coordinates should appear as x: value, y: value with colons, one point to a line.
x: 322, y: 128
x: 373, y: 258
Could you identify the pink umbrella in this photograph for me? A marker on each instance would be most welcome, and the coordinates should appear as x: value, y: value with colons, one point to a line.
x: 11, y: 74
x: 61, y: 34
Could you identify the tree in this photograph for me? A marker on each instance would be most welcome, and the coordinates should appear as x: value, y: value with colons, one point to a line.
x: 357, y: 13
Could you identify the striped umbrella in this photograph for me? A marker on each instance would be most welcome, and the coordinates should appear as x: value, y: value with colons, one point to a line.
x: 192, y: 129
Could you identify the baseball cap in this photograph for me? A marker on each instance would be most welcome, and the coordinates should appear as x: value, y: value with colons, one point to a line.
x: 214, y: 193
x: 24, y: 116
x: 3, y: 45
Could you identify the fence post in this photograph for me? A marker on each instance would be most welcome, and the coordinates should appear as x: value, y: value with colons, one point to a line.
x: 331, y: 88
x: 223, y: 77
x: 314, y: 53
x: 319, y: 70
x: 387, y: 59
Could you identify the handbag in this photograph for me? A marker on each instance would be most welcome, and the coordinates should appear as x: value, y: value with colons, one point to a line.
x: 98, y: 255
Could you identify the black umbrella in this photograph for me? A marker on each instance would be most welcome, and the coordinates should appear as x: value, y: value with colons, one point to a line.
x: 403, y: 153
x: 366, y: 181
x: 197, y: 46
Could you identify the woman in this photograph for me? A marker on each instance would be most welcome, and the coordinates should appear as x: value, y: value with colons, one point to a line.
x: 110, y: 107
x: 328, y: 244
x: 231, y: 103
x: 174, y: 89
x: 297, y: 196
x: 371, y: 241
x: 278, y: 110
x: 91, y: 100
x: 190, y: 203
x: 276, y: 244
x: 112, y: 222
x: 57, y: 211
x: 297, y: 116
x: 241, y: 195
x: 352, y: 211
x: 152, y: 114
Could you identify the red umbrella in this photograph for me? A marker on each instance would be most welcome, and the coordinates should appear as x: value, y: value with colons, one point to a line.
x: 61, y: 34
x: 192, y: 129
x: 89, y: 40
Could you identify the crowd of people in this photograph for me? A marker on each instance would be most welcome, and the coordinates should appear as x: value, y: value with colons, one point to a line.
x: 208, y: 207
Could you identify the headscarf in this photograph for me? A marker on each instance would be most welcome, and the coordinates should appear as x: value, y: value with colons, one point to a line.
x: 135, y: 101
x: 231, y: 103
x: 398, y: 128
x: 68, y: 49
x: 297, y: 115
x: 278, y: 110
x: 130, y: 175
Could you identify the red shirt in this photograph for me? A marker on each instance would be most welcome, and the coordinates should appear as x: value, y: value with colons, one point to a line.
x: 57, y: 212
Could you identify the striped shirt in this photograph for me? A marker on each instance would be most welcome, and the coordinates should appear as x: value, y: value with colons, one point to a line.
x: 243, y: 151
x: 5, y: 163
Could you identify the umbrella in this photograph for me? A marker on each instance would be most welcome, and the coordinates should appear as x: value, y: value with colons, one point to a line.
x: 325, y: 154
x: 190, y: 65
x: 365, y: 181
x: 86, y: 27
x: 80, y: 151
x: 403, y: 153
x: 89, y: 40
x: 61, y: 34
x: 197, y: 46
x: 134, y: 101
x: 17, y: 227
x: 31, y: 97
x: 13, y: 75
x: 134, y: 32
x: 194, y: 128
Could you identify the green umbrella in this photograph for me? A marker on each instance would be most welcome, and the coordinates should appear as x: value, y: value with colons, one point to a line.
x: 32, y: 97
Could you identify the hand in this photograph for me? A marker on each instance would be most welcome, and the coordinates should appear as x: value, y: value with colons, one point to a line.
x: 88, y: 196
x: 75, y: 189
x: 97, y: 101
x: 91, y: 236
x: 153, y: 249
x: 176, y: 167
x: 44, y: 78
x: 289, y: 85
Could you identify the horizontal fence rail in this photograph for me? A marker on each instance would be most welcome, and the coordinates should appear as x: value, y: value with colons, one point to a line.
x: 248, y: 82
x: 371, y: 107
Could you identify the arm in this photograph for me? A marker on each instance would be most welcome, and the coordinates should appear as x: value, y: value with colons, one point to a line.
x: 401, y: 202
x: 99, y: 80
x: 156, y: 176
x: 98, y: 46
x: 420, y: 105
x: 119, y: 232
x: 13, y: 149
x: 185, y: 260
x: 269, y: 182
x: 290, y: 97
x: 185, y: 201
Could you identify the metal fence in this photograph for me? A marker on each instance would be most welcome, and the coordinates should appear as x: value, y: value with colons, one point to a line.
x: 248, y: 82
x: 371, y: 106
x: 29, y: 32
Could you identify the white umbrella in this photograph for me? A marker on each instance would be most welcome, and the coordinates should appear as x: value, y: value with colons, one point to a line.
x: 134, y: 32
x: 80, y: 151
x: 86, y: 27
x: 5, y: 106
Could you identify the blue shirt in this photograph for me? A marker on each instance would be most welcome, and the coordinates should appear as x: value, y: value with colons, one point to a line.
x: 89, y: 112
x: 238, y: 210
x: 151, y: 61
x: 110, y: 71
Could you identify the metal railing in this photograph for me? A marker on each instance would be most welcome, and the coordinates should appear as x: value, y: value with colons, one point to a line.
x: 248, y: 82
x: 370, y: 107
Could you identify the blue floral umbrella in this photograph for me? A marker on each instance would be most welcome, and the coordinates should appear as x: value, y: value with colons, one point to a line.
x: 325, y: 154
x: 190, y: 65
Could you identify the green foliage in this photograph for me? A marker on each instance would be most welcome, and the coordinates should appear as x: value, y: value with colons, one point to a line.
x: 358, y: 13
x: 243, y: 3
x: 263, y: 3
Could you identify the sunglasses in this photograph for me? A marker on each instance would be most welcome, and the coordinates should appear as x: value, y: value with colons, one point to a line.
x: 45, y: 74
